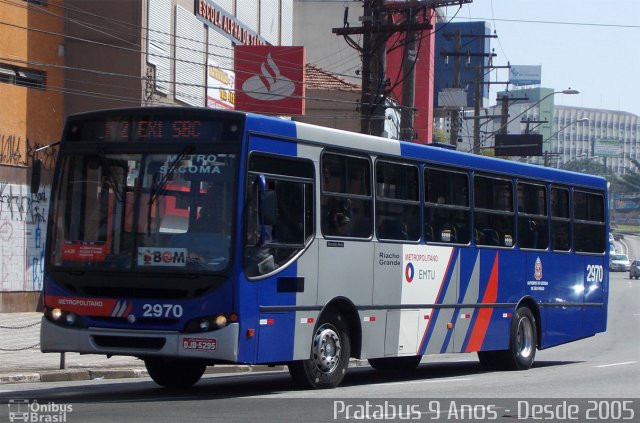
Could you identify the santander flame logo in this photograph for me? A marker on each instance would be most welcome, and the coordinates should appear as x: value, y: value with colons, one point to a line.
x: 271, y: 85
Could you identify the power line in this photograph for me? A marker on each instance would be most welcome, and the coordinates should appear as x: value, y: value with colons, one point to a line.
x: 602, y: 25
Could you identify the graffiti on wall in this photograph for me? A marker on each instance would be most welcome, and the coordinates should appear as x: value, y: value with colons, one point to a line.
x: 22, y: 233
x: 18, y: 151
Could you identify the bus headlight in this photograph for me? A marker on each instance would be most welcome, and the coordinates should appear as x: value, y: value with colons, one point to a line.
x: 221, y: 321
x: 205, y: 325
x: 209, y: 323
x: 56, y: 314
x: 70, y: 318
x: 63, y: 318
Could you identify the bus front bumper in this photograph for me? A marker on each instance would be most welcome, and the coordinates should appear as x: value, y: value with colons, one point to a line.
x: 221, y: 344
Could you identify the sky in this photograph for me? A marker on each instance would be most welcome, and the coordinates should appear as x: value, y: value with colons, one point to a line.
x: 588, y: 45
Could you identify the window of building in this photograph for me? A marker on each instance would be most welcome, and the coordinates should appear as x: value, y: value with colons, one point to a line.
x: 447, y: 216
x: 31, y: 78
x: 397, y: 201
x: 493, y: 211
x: 346, y: 200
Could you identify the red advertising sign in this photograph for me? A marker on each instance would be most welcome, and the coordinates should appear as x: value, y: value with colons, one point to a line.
x: 270, y: 79
x: 84, y: 251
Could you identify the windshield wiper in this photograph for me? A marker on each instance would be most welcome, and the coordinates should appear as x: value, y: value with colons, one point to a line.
x: 106, y: 167
x: 158, y: 188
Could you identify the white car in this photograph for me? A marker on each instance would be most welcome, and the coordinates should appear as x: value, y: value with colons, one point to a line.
x: 619, y: 263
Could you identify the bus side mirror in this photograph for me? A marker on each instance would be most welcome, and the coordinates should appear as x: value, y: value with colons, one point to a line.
x: 36, y: 174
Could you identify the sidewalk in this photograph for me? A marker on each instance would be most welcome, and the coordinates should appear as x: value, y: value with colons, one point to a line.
x: 21, y: 360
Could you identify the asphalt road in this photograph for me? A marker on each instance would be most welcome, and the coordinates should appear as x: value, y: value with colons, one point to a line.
x: 605, y: 368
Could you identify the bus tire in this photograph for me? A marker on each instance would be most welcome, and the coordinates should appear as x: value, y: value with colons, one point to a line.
x: 330, y: 352
x: 402, y: 364
x: 175, y: 374
x: 522, y: 341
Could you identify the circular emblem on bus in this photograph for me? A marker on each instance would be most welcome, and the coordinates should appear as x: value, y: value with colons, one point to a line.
x: 409, y: 272
x: 167, y: 257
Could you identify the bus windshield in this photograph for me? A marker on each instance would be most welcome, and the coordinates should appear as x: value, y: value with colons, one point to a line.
x: 139, y: 211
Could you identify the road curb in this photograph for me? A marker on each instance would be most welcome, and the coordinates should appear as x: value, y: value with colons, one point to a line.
x: 69, y: 375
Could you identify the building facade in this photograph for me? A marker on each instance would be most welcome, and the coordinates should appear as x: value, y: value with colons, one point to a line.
x: 609, y: 136
x: 31, y: 116
x: 571, y: 133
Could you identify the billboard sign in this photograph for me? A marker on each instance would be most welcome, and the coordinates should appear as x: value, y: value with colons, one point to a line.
x: 606, y: 148
x: 452, y: 98
x: 518, y: 145
x: 525, y: 75
x: 270, y: 79
x: 220, y: 87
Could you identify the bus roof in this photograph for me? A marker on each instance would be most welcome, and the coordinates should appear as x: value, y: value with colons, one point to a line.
x: 371, y: 144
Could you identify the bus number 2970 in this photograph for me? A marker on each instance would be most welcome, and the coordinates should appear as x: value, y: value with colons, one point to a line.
x: 162, y: 310
x: 595, y: 273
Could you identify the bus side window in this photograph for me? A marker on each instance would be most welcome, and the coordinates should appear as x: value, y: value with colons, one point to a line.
x: 397, y: 201
x: 272, y: 245
x: 532, y: 216
x: 589, y: 235
x: 560, y: 219
x: 447, y: 215
x: 346, y: 200
x: 493, y: 211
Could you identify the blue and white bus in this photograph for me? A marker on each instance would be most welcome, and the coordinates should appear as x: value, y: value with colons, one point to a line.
x: 193, y: 237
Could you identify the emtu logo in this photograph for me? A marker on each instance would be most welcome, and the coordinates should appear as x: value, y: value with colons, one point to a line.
x: 271, y: 85
x: 409, y: 272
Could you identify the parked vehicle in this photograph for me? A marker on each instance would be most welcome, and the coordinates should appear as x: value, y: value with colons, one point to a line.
x: 634, y: 270
x: 619, y: 263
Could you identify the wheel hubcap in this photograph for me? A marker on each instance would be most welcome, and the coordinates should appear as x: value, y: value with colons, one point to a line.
x: 326, y: 349
x: 525, y: 338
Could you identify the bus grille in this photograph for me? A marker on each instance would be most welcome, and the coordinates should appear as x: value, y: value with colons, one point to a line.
x: 109, y: 341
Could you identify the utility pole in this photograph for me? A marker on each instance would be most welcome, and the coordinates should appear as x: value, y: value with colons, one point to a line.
x: 375, y: 31
x: 409, y: 59
x: 453, y: 134
x: 457, y: 54
x: 374, y: 53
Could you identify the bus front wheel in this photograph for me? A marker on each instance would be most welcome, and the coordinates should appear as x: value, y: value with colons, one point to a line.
x: 330, y: 352
x: 175, y: 374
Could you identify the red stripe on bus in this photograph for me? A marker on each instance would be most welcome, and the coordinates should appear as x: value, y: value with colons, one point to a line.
x: 484, y: 314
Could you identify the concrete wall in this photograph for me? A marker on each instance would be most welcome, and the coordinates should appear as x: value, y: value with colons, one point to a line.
x: 23, y: 231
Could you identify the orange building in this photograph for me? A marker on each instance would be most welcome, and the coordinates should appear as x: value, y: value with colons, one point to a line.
x: 32, y: 106
x: 31, y: 115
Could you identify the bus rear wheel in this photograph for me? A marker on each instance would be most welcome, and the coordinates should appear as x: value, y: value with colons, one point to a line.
x: 330, y: 352
x: 175, y: 374
x: 522, y: 342
x: 522, y: 345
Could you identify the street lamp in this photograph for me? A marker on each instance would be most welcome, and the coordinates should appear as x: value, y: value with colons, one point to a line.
x: 567, y: 91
